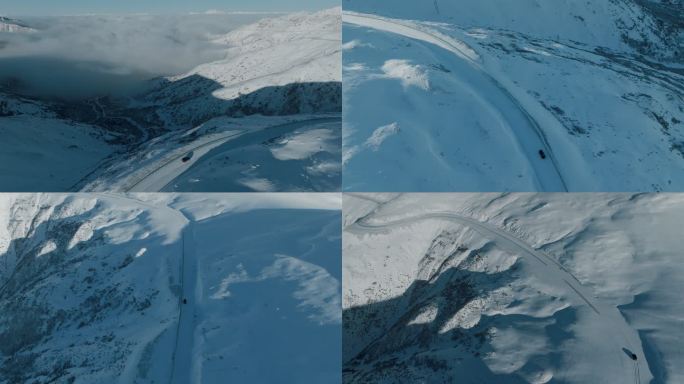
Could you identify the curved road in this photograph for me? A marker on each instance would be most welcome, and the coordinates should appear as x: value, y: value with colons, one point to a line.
x: 545, y: 268
x: 171, y: 166
x: 174, y: 167
x: 491, y: 91
x: 175, y: 161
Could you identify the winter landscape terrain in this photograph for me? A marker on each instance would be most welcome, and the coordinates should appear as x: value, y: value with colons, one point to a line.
x: 513, y: 288
x: 525, y: 95
x: 167, y: 288
x: 198, y: 102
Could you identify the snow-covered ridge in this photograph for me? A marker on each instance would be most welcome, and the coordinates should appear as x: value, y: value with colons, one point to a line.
x: 521, y: 288
x: 284, y: 65
x: 412, y: 30
x: 13, y: 26
x: 636, y: 25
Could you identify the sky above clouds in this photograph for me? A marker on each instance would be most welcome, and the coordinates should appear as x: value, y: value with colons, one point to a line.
x: 71, y: 7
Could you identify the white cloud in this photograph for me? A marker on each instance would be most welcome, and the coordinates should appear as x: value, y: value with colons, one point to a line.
x: 97, y: 54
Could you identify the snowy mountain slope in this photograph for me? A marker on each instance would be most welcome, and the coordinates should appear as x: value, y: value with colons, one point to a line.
x: 13, y: 26
x: 492, y: 104
x: 264, y: 154
x: 641, y: 25
x: 80, y: 276
x: 498, y: 288
x: 39, y: 149
x: 280, y: 130
x: 271, y: 296
x: 92, y: 287
x: 288, y: 65
x: 301, y: 156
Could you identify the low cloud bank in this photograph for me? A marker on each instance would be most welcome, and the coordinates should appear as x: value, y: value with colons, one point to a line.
x: 80, y: 56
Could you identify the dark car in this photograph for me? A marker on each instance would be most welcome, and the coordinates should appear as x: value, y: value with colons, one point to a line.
x: 187, y: 157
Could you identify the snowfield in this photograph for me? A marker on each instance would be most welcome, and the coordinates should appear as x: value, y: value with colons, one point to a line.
x: 151, y: 288
x: 525, y: 96
x: 229, y: 154
x: 278, y: 85
x: 512, y: 288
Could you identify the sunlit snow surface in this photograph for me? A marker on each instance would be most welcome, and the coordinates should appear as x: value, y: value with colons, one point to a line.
x: 261, y: 112
x: 170, y: 288
x: 476, y: 89
x: 512, y: 288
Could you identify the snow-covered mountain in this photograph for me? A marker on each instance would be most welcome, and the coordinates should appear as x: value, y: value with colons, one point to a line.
x: 267, y: 118
x: 285, y: 65
x: 169, y: 288
x: 40, y: 150
x: 648, y: 26
x: 13, y: 26
x: 524, y: 96
x: 512, y: 288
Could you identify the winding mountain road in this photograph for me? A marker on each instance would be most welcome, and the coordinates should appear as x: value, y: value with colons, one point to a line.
x: 159, y: 175
x: 491, y: 93
x: 608, y: 318
x: 169, y: 167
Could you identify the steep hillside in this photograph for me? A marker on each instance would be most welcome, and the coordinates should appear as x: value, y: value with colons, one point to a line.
x: 524, y: 96
x: 647, y: 26
x: 41, y: 151
x: 278, y: 66
x: 265, y: 118
x: 161, y: 288
x: 513, y: 288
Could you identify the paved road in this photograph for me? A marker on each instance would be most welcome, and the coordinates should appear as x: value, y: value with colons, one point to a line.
x: 543, y: 266
x: 170, y: 168
x: 524, y: 128
x: 183, y: 370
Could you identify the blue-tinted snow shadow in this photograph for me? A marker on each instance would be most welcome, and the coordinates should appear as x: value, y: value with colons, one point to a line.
x: 273, y: 287
x: 387, y: 343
